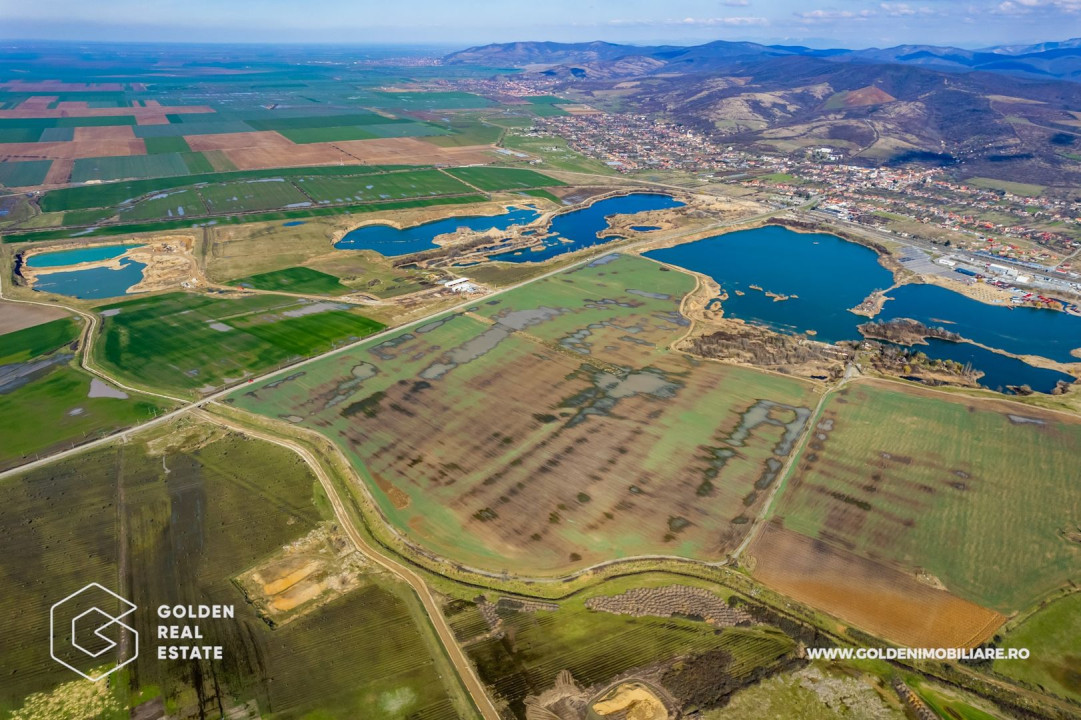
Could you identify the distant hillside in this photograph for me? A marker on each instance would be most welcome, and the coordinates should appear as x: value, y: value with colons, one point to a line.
x: 1045, y: 60
x: 991, y: 114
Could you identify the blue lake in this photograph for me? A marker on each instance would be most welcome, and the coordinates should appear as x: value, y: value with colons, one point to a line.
x: 93, y: 283
x: 830, y: 275
x: 293, y: 223
x: 78, y: 255
x: 391, y: 242
x: 578, y: 229
x: 644, y: 228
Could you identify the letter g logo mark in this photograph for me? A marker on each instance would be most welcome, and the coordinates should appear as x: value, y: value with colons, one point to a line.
x: 86, y: 625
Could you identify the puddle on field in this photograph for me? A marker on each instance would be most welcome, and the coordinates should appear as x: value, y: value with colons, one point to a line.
x: 101, y: 389
x: 14, y: 376
x: 763, y: 412
x: 608, y: 389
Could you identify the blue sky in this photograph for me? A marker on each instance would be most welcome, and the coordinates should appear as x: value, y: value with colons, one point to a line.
x: 848, y: 23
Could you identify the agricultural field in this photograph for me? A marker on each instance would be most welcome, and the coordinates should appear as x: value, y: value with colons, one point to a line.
x: 539, y: 642
x: 494, y: 178
x: 1051, y: 634
x: 252, y: 195
x: 170, y: 204
x: 564, y: 468
x: 185, y: 342
x: 40, y: 387
x: 132, y: 166
x: 166, y: 144
x: 294, y: 280
x: 966, y: 491
x: 555, y: 154
x: 24, y: 174
x: 432, y: 100
x: 386, y: 186
x: 199, y: 506
x: 242, y: 251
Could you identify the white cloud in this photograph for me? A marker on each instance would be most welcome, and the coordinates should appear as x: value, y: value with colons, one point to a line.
x: 736, y: 3
x: 901, y: 9
x: 742, y: 21
x: 1025, y: 7
x: 830, y: 15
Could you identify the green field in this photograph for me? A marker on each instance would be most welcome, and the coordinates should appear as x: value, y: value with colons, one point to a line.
x: 41, y: 388
x: 24, y: 174
x: 109, y: 194
x: 596, y: 647
x: 328, y: 134
x: 947, y: 706
x: 387, y: 186
x: 294, y: 280
x: 87, y: 217
x: 494, y: 178
x: 176, y: 144
x: 433, y: 100
x: 58, y: 398
x: 192, y: 510
x: 129, y: 166
x: 251, y: 195
x: 587, y: 412
x: 28, y: 343
x: 1053, y: 635
x: 186, y: 342
x: 954, y: 487
x: 555, y: 154
x: 283, y: 125
x: 1017, y: 188
x: 295, y: 214
x: 169, y: 204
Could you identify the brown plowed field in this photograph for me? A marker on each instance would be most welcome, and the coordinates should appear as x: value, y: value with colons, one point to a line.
x: 59, y: 172
x: 76, y: 149
x: 232, y: 141
x: 105, y: 132
x: 871, y: 596
x: 412, y: 151
x: 274, y: 150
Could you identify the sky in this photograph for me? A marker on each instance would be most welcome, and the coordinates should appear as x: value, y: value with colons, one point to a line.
x: 461, y: 23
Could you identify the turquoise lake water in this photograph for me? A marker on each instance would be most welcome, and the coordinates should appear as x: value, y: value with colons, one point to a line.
x: 78, y: 255
x: 830, y: 275
x: 578, y: 229
x: 391, y: 242
x: 94, y: 283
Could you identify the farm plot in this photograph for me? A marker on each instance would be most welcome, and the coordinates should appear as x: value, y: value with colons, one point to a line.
x: 294, y: 280
x: 24, y: 174
x: 198, y: 507
x: 596, y: 647
x: 251, y: 195
x: 1053, y: 636
x: 967, y: 491
x: 431, y: 100
x: 129, y: 166
x: 169, y: 204
x: 550, y: 427
x: 40, y: 388
x: 195, y: 342
x: 385, y: 186
x: 873, y: 597
x: 493, y: 178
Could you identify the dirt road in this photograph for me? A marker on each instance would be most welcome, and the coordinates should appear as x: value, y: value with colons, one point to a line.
x: 466, y: 672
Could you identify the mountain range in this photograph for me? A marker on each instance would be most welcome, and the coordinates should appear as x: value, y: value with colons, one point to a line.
x: 1012, y: 112
x: 1047, y: 60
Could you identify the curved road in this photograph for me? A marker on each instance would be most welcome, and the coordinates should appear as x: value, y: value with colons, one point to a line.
x: 466, y: 671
